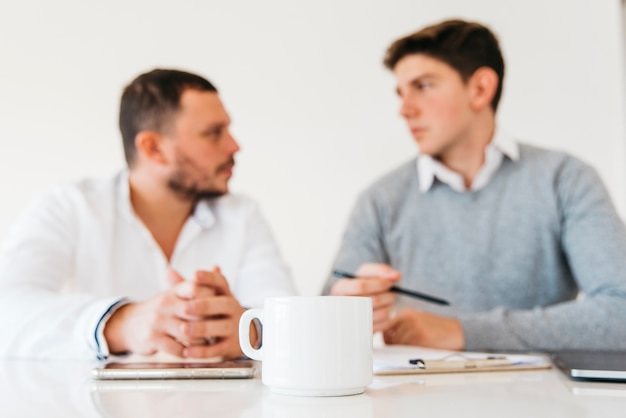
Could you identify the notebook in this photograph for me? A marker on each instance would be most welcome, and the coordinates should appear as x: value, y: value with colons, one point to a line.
x: 592, y: 365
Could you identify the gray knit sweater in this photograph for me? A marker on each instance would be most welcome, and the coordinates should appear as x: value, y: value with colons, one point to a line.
x: 511, y: 257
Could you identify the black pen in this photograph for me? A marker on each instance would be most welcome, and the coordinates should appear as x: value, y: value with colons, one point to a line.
x: 422, y: 296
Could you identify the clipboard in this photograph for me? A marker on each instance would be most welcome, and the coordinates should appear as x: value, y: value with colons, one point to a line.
x: 510, y: 368
x: 408, y: 360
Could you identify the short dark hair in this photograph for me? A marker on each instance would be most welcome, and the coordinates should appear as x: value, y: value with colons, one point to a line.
x: 465, y: 46
x: 150, y: 101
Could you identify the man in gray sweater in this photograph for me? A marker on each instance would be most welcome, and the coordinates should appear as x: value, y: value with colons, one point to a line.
x: 523, y: 242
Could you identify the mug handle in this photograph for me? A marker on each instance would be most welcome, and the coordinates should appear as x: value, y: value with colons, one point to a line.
x: 244, y: 333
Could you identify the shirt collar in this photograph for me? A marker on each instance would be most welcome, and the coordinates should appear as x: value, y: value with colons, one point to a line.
x: 123, y: 196
x: 506, y: 144
x: 429, y: 168
x: 203, y: 214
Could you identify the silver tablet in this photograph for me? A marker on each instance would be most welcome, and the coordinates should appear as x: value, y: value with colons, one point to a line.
x: 196, y: 370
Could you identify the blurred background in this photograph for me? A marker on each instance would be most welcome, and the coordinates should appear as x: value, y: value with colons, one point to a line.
x: 312, y: 106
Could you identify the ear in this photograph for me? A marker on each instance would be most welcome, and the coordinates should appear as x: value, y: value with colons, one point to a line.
x: 149, y: 145
x: 483, y: 85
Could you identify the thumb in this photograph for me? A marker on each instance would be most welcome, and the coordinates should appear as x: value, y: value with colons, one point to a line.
x: 378, y: 270
x: 174, y: 278
x: 213, y: 279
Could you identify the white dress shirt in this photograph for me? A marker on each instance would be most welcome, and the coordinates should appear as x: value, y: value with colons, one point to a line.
x: 81, y: 249
x: 501, y: 145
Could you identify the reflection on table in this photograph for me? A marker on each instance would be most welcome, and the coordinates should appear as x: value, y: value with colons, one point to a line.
x: 65, y: 389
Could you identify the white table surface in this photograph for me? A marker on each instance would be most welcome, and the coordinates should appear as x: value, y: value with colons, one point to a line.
x: 65, y: 389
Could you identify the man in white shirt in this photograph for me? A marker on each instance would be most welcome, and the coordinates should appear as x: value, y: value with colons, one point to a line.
x: 99, y: 267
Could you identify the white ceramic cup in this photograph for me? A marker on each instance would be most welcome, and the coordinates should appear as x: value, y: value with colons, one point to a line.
x: 313, y: 346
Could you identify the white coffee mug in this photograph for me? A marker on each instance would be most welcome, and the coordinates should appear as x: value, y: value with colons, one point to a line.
x: 313, y: 346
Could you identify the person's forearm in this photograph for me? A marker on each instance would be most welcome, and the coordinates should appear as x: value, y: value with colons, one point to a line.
x: 46, y: 325
x: 593, y: 323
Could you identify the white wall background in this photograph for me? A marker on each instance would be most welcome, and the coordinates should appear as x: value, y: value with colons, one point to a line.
x: 313, y: 108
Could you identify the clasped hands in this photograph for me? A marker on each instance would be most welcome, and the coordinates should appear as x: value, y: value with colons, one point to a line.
x: 196, y: 318
x: 408, y: 326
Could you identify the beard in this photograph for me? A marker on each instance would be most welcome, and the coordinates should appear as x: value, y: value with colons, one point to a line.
x: 194, y: 187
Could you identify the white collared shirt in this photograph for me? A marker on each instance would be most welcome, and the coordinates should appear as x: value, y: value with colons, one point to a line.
x: 500, y: 146
x: 81, y: 249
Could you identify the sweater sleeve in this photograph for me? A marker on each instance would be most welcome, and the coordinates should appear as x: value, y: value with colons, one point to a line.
x: 593, y: 243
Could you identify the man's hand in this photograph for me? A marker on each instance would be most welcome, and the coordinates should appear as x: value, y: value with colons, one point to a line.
x: 198, y: 318
x: 219, y: 318
x: 157, y: 324
x: 411, y: 327
x: 374, y: 280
